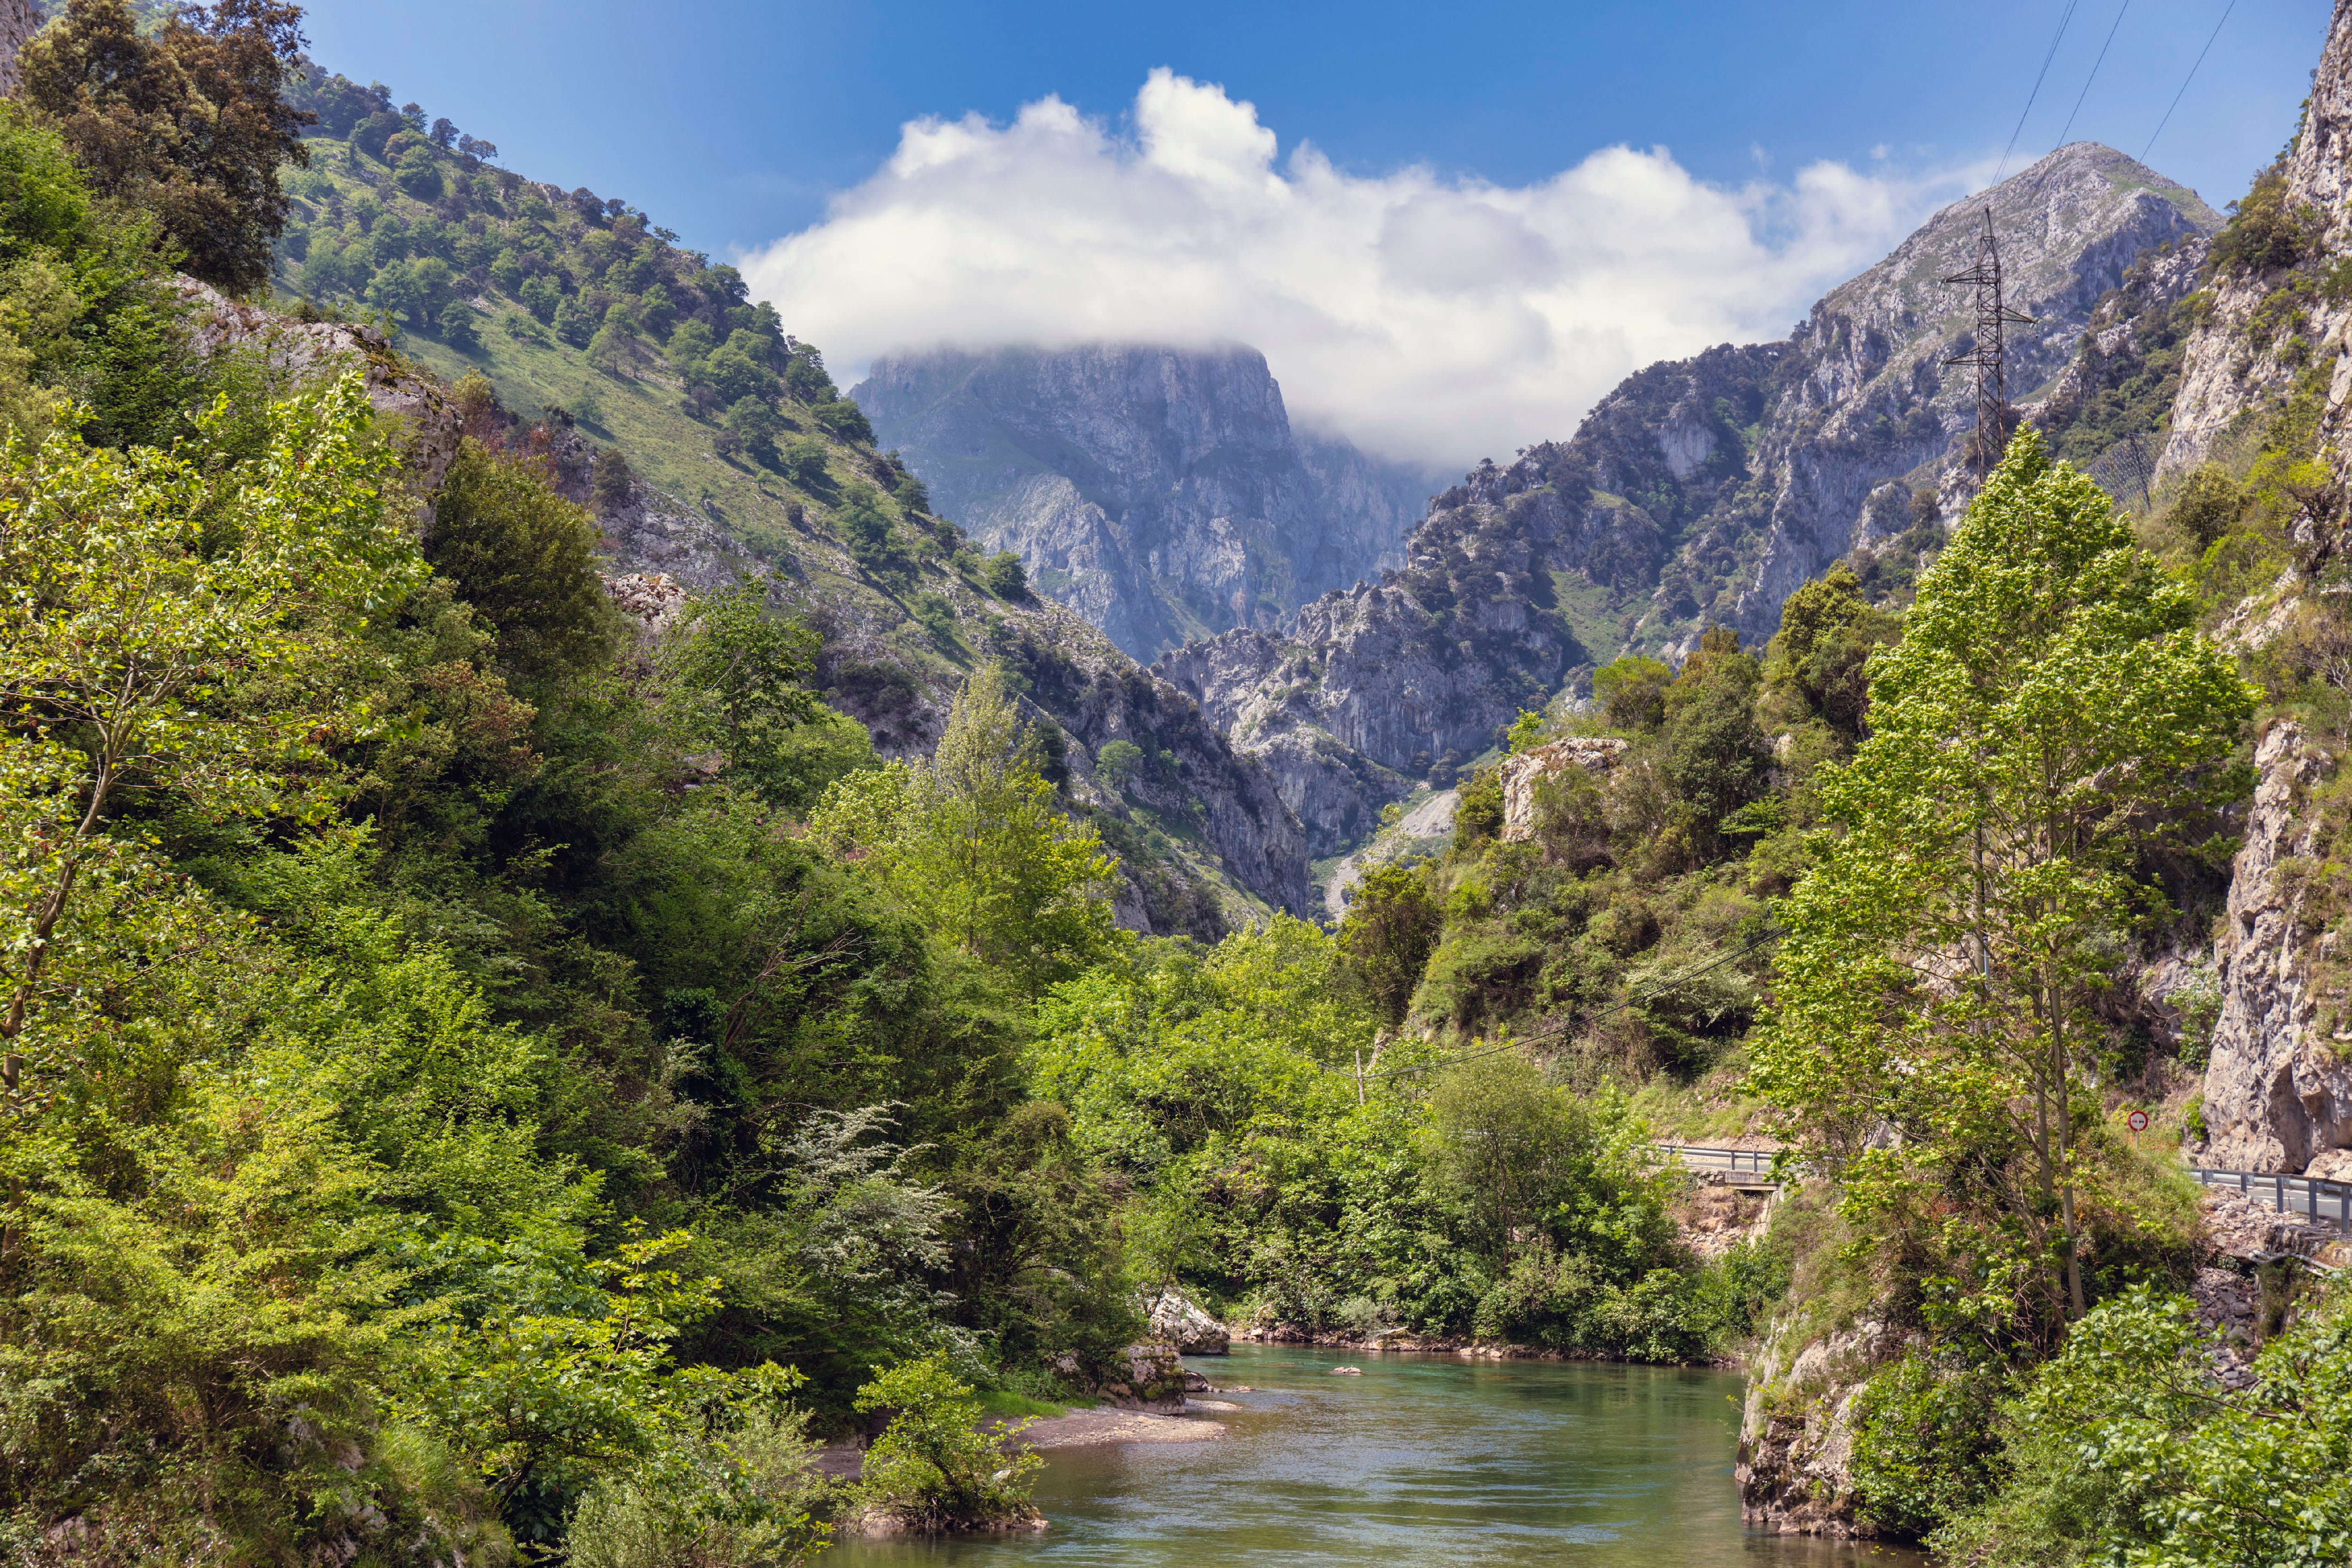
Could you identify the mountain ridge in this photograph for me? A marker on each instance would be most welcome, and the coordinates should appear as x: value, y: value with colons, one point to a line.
x: 1699, y: 490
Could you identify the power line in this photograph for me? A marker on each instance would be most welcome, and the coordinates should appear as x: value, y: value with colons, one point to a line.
x: 1655, y: 989
x: 2094, y: 70
x: 2063, y: 18
x: 2185, y: 82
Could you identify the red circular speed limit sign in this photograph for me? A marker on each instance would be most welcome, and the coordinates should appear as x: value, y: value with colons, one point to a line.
x: 2136, y: 1122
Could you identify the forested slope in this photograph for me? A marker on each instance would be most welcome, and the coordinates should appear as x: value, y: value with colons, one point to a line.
x: 726, y: 448
x: 495, y: 1063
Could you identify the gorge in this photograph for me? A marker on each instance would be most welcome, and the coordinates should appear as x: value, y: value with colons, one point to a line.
x: 614, y: 954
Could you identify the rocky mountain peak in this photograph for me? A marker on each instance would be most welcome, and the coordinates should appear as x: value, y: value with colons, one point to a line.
x: 1699, y: 490
x: 1162, y: 492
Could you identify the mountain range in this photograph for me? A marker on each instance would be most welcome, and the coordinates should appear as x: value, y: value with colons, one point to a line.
x: 1699, y: 492
x: 1319, y: 652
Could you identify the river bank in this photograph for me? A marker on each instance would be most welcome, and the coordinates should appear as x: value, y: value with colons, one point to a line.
x: 1422, y: 1459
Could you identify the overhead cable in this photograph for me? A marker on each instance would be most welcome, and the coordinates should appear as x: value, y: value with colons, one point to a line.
x: 2185, y: 82
x: 2095, y: 70
x: 2057, y: 38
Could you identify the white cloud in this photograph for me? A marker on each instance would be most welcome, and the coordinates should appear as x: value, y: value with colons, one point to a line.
x: 1427, y: 317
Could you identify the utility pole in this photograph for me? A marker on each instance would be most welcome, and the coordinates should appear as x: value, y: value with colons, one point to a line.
x: 1994, y: 318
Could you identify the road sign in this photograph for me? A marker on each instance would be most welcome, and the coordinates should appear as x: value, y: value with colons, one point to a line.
x: 2136, y: 1122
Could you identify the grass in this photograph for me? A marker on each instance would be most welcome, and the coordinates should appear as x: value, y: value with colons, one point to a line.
x: 1591, y: 615
x: 1006, y: 1402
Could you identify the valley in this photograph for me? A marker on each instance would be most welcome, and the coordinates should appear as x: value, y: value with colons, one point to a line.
x: 618, y: 955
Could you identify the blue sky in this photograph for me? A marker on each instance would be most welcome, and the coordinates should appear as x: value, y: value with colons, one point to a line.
x: 1450, y: 228
x: 733, y: 122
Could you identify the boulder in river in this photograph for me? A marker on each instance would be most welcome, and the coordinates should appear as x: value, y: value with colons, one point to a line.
x: 1154, y: 1379
x: 1177, y: 1320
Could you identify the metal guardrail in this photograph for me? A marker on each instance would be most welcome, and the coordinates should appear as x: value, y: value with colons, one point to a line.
x: 2315, y: 1199
x: 1730, y: 1159
x: 2318, y: 1200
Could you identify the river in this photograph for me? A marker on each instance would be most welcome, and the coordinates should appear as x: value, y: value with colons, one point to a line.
x: 1422, y: 1460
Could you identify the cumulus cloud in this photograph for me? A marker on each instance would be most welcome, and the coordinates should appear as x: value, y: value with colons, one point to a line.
x: 1430, y: 317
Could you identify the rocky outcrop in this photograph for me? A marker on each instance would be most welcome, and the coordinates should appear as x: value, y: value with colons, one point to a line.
x: 1147, y: 1376
x: 1797, y: 1429
x: 2276, y: 1096
x: 1521, y: 774
x: 1161, y: 492
x: 1869, y: 400
x: 2245, y: 359
x: 1701, y: 490
x: 1177, y: 1320
x: 652, y: 600
x: 19, y: 20
x: 424, y: 427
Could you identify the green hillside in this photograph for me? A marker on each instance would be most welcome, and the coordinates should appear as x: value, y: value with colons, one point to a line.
x: 566, y: 300
x: 581, y: 312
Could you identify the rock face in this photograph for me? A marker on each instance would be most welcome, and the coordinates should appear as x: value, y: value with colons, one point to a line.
x: 2240, y: 366
x: 1796, y: 1431
x: 1523, y: 772
x: 2276, y: 1096
x: 427, y: 429
x: 1149, y: 1377
x: 1700, y: 490
x: 1869, y: 402
x: 1160, y: 492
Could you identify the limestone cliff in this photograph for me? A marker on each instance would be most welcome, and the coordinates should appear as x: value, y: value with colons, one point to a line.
x: 2278, y: 1086
x: 2275, y: 1098
x: 1160, y: 492
x: 1870, y: 404
x: 2273, y: 303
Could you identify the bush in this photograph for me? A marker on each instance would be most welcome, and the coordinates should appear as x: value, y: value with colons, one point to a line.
x: 756, y: 425
x: 742, y: 1495
x: 526, y: 559
x: 933, y: 1464
x: 1479, y: 808
x: 1118, y: 763
x: 2265, y: 232
x: 419, y: 174
x: 1004, y: 577
x: 541, y: 297
x: 844, y: 421
x: 1924, y: 1441
x: 2209, y: 506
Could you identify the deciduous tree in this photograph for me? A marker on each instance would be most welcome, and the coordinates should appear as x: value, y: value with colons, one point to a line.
x: 2051, y: 715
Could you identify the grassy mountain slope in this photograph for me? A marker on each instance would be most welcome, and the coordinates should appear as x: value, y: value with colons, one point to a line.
x: 580, y: 311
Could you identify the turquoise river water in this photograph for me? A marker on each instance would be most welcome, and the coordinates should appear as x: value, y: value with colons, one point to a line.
x: 1422, y: 1460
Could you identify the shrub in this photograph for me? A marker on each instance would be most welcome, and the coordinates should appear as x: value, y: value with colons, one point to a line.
x: 541, y: 297
x: 2266, y: 232
x: 933, y: 1464
x: 1924, y: 1441
x: 803, y: 462
x: 1478, y: 809
x: 419, y: 174
x: 844, y: 421
x: 1118, y: 763
x: 1004, y: 577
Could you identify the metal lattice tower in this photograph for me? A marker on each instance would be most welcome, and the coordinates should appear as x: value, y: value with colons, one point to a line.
x: 1994, y: 318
